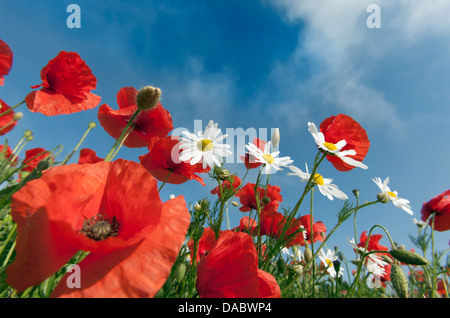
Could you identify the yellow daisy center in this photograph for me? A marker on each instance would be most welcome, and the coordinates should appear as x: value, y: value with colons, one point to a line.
x: 268, y: 158
x: 205, y: 145
x: 330, y: 146
x: 318, y: 179
x: 392, y: 194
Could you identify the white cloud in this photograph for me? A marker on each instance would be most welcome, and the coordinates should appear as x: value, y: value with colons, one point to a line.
x: 345, y: 55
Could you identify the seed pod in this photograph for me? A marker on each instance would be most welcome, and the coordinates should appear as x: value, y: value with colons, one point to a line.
x: 399, y: 281
x: 308, y: 254
x: 408, y: 257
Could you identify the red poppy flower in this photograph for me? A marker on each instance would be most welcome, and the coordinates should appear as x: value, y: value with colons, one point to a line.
x: 33, y: 157
x: 374, y: 244
x: 343, y: 127
x: 67, y: 83
x: 249, y: 160
x: 6, y: 60
x: 227, y: 185
x: 88, y: 156
x: 439, y: 206
x: 205, y: 244
x: 317, y: 234
x: 7, y: 123
x: 248, y: 201
x: 230, y: 270
x: 247, y: 225
x: 110, y: 209
x: 154, y: 122
x: 163, y: 162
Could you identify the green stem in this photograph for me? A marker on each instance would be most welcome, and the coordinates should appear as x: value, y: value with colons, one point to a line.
x: 12, y: 108
x: 76, y: 147
x: 165, y: 180
x: 121, y: 138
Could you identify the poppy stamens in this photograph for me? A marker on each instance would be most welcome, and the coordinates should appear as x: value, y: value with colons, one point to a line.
x: 100, y: 227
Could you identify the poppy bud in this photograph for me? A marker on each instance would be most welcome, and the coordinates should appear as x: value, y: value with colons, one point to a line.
x: 281, y: 265
x: 356, y: 193
x: 399, y: 281
x: 408, y: 257
x: 266, y: 200
x: 181, y: 270
x: 308, y: 254
x: 148, y: 97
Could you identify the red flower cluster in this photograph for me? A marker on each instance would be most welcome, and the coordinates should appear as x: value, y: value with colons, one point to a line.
x: 111, y: 210
x: 439, y: 209
x: 7, y: 122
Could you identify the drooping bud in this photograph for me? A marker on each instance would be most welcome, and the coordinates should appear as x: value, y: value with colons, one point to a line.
x: 399, y: 281
x: 356, y: 193
x: 408, y: 257
x: 148, y: 97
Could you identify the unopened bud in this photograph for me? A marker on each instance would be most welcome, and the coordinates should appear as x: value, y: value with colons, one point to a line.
x: 399, y: 281
x: 408, y: 257
x: 266, y: 200
x: 181, y: 270
x: 308, y: 255
x: 298, y: 269
x: 281, y: 265
x: 148, y: 97
x: 356, y: 193
x: 92, y: 125
x: 383, y: 197
x: 17, y: 116
x: 224, y: 174
x: 27, y: 133
x: 275, y: 138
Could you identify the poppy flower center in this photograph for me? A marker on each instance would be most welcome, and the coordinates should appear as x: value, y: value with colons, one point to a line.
x: 100, y: 227
x: 205, y: 145
x: 268, y: 158
x: 318, y: 179
x: 330, y: 146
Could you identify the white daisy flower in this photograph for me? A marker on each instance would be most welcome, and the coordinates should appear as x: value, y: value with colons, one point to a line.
x: 327, y: 260
x: 205, y: 146
x: 373, y: 263
x: 392, y: 196
x: 272, y: 163
x: 295, y: 255
x: 324, y: 184
x: 334, y: 149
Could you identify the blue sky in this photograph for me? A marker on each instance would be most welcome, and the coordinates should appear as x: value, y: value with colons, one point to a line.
x: 261, y: 64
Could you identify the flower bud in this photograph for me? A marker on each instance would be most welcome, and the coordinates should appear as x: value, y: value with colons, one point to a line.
x: 224, y: 174
x: 408, y: 257
x: 181, y: 271
x: 17, y: 116
x: 356, y: 193
x: 92, y: 125
x: 27, y: 133
x: 234, y: 203
x: 383, y: 197
x: 308, y: 255
x: 281, y: 265
x: 266, y: 200
x: 399, y: 281
x: 275, y: 138
x: 148, y: 97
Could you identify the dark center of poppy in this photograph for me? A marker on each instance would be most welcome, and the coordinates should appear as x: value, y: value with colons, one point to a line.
x: 100, y: 227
